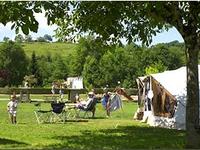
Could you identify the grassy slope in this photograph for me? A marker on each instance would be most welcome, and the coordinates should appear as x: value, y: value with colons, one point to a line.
x: 62, y: 49
x: 117, y: 132
x: 42, y: 48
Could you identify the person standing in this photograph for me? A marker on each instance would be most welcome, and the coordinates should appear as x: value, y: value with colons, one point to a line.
x: 12, y: 109
x: 106, y: 101
x: 53, y: 88
x: 61, y: 92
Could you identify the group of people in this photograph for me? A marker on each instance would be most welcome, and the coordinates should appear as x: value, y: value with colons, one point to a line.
x: 106, y: 99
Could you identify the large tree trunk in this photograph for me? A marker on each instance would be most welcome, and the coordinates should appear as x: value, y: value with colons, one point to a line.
x: 192, y: 107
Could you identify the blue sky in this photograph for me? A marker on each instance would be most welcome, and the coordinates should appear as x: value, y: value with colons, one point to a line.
x: 5, y: 31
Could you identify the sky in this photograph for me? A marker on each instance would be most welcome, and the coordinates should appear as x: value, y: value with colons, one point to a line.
x: 5, y: 31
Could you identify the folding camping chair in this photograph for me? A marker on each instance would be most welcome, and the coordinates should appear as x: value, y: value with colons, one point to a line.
x: 42, y: 116
x: 58, y: 112
x: 90, y: 108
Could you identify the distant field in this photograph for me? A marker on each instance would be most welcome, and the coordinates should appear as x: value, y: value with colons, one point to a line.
x: 62, y: 49
x: 44, y: 48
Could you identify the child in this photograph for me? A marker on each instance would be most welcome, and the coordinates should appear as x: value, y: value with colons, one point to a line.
x: 12, y: 109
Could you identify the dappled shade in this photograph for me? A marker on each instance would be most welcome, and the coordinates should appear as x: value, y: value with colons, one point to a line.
x: 122, y: 137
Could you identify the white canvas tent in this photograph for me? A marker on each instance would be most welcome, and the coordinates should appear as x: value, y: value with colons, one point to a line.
x: 162, y: 98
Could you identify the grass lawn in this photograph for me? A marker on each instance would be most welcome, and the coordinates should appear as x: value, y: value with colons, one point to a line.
x: 118, y: 132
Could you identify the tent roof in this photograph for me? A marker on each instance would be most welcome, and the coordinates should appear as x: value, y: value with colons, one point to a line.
x: 174, y: 80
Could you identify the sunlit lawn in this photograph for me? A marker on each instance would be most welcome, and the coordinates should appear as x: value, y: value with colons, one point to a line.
x: 118, y: 132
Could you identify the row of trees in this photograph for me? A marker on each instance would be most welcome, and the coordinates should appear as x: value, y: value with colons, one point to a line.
x: 98, y: 64
x: 28, y: 38
x: 102, y: 66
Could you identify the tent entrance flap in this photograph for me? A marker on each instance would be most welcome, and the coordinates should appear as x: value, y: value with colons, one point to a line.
x: 163, y: 102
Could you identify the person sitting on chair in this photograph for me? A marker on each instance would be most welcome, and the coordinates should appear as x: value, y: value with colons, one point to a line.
x: 84, y: 105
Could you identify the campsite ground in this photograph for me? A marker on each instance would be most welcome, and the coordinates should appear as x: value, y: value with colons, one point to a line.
x: 119, y: 131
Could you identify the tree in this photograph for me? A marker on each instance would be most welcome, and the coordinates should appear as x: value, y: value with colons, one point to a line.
x: 28, y: 38
x: 91, y: 72
x: 21, y: 14
x: 6, y: 39
x: 59, y: 70
x: 112, y: 21
x: 155, y: 68
x: 87, y: 46
x: 48, y: 37
x: 19, y: 38
x: 41, y: 39
x: 34, y: 69
x: 13, y: 62
x: 45, y: 68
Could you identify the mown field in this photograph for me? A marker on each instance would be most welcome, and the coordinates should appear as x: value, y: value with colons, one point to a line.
x: 45, y: 48
x: 119, y: 131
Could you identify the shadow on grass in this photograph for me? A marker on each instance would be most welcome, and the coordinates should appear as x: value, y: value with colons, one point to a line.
x: 4, y: 141
x: 123, y: 137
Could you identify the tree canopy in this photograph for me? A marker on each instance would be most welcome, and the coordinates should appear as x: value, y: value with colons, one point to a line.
x: 14, y: 62
x: 132, y: 20
x: 111, y: 21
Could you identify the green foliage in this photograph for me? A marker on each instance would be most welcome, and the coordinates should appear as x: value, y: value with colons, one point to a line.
x: 6, y: 39
x: 52, y: 68
x: 46, y: 68
x: 91, y: 72
x: 21, y: 14
x: 104, y: 65
x: 60, y: 69
x: 48, y: 37
x: 33, y: 64
x: 34, y: 69
x: 14, y: 61
x: 41, y: 39
x: 123, y: 64
x: 87, y: 47
x: 28, y: 38
x: 155, y: 68
x: 19, y: 38
x: 112, y: 21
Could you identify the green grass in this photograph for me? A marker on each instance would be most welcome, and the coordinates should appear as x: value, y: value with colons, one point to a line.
x: 43, y: 48
x: 119, y: 131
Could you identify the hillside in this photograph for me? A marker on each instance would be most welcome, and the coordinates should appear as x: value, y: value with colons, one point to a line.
x: 44, y: 48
